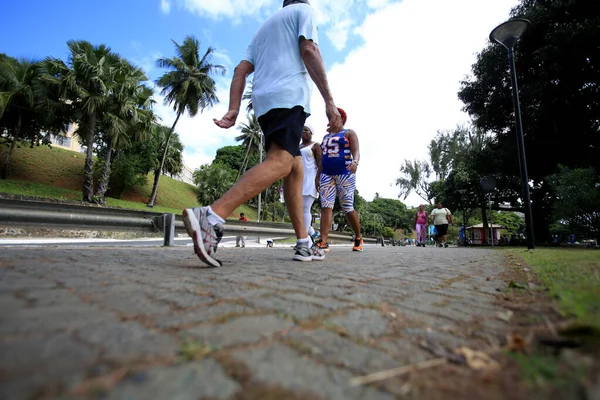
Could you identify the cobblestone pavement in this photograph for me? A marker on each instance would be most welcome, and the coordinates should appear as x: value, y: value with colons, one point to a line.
x: 146, y: 323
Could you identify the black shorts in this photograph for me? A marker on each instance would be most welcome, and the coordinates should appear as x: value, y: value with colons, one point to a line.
x: 284, y: 127
x: 442, y: 229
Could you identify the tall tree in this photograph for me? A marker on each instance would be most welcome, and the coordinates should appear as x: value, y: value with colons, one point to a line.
x: 251, y: 139
x: 557, y: 63
x: 187, y: 86
x: 127, y: 118
x: 27, y: 111
x: 85, y: 81
x: 213, y: 180
x: 416, y: 178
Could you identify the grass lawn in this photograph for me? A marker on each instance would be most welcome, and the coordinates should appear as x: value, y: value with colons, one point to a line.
x: 55, y: 173
x: 572, y: 277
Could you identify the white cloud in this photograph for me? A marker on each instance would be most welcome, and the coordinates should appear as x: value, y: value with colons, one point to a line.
x: 401, y: 86
x: 233, y: 9
x: 335, y: 17
x: 165, y: 6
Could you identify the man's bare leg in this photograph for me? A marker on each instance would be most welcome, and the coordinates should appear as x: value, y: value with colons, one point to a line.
x: 292, y: 192
x: 354, y: 222
x: 326, y: 218
x: 278, y: 164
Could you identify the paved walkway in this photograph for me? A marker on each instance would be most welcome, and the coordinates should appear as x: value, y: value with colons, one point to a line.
x: 144, y: 323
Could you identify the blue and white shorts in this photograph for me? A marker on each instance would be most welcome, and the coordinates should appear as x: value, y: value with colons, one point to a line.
x: 341, y: 185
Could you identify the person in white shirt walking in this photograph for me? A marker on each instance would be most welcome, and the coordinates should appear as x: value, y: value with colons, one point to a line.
x: 284, y: 57
x: 311, y: 158
x: 441, y: 218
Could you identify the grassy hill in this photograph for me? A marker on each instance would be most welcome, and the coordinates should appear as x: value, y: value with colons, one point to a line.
x: 58, y: 174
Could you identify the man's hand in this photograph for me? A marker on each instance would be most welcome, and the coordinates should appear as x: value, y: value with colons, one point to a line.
x: 228, y: 119
x: 335, y: 119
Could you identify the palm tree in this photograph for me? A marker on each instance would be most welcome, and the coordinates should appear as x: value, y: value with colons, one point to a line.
x: 173, y: 162
x: 187, y: 86
x: 128, y: 117
x: 248, y: 96
x: 25, y: 111
x: 251, y: 139
x: 86, y: 81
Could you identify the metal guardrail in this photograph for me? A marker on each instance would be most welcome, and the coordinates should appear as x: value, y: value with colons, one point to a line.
x: 38, y: 214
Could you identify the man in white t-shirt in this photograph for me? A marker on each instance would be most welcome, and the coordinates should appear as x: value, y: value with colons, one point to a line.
x: 284, y: 57
x: 441, y: 217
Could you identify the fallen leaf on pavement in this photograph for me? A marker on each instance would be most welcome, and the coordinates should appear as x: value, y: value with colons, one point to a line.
x: 505, y: 316
x: 515, y: 342
x: 478, y: 360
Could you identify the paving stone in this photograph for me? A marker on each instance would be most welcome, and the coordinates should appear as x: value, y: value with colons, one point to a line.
x: 237, y: 292
x: 27, y: 365
x: 334, y: 349
x: 240, y: 330
x: 200, y: 315
x: 45, y: 319
x: 181, y: 299
x: 130, y: 305
x: 12, y: 281
x: 323, y: 302
x: 361, y: 322
x: 279, y: 365
x: 405, y: 350
x: 51, y: 297
x: 126, y: 341
x: 9, y: 303
x: 296, y: 309
x: 190, y: 381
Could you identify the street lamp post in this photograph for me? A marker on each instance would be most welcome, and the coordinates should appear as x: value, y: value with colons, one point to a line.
x: 508, y: 34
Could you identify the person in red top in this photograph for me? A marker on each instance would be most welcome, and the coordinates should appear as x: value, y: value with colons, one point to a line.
x: 421, y: 226
x: 240, y: 239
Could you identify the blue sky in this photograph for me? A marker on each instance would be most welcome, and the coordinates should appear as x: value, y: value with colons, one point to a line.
x: 388, y: 63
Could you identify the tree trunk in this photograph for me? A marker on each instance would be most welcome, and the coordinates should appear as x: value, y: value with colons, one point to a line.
x: 103, y: 184
x: 6, y: 161
x: 154, y: 194
x: 88, y: 170
x: 8, y: 156
x: 245, y: 162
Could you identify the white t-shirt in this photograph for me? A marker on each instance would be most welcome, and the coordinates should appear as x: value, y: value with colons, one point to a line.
x: 280, y: 76
x: 440, y: 216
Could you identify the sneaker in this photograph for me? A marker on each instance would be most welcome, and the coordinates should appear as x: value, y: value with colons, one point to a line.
x: 205, y: 236
x: 358, y: 245
x: 318, y: 253
x: 445, y: 244
x: 303, y: 253
x: 315, y: 235
x: 323, y: 245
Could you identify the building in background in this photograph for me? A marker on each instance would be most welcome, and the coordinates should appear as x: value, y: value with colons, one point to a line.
x: 68, y: 140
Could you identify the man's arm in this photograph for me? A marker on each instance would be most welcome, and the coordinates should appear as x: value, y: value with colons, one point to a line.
x: 238, y: 83
x: 316, y: 69
x: 354, y: 150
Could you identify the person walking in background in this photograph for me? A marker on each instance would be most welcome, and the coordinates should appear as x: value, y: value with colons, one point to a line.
x: 421, y: 226
x: 284, y: 57
x: 311, y: 158
x: 240, y: 239
x: 337, y: 172
x: 441, y: 217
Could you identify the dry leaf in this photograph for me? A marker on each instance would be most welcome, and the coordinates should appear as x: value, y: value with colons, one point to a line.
x: 478, y: 360
x: 505, y: 316
x: 515, y: 342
